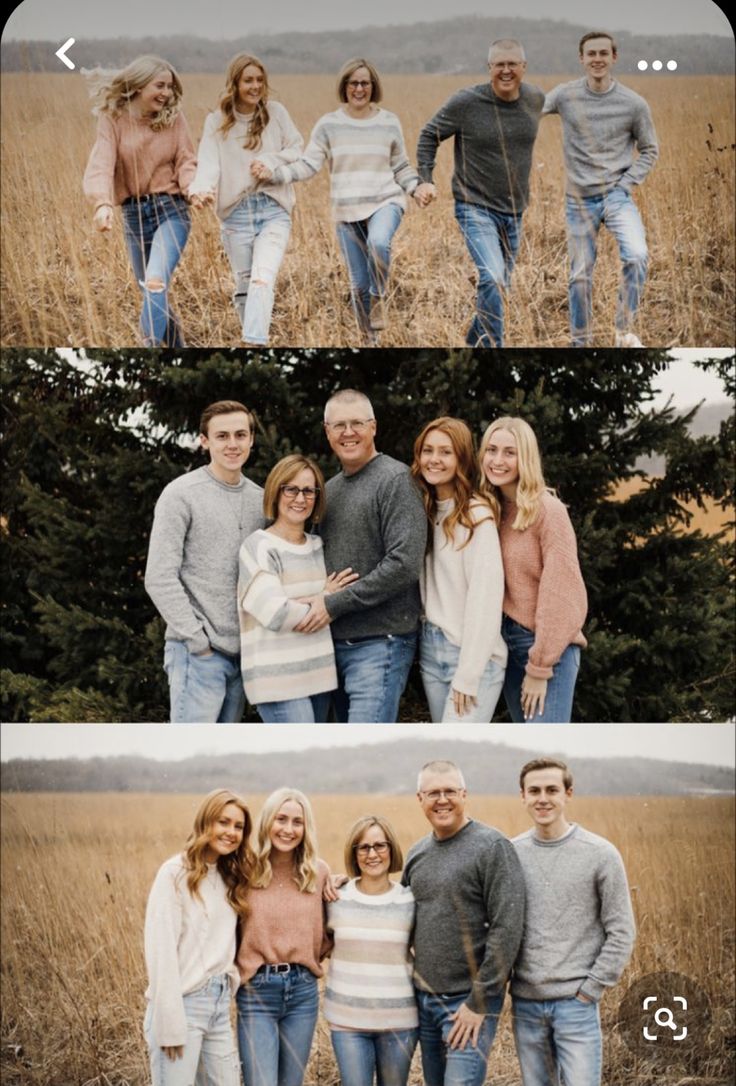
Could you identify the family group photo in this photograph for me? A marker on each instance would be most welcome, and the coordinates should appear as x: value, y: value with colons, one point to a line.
x: 373, y: 538
x: 498, y: 199
x: 485, y: 920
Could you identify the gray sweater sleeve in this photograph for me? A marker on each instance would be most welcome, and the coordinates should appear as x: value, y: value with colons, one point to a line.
x: 404, y: 532
x: 642, y: 128
x: 617, y: 919
x: 444, y: 124
x: 505, y: 894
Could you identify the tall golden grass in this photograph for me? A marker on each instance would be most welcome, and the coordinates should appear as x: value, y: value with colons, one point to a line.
x: 76, y: 870
x: 66, y: 285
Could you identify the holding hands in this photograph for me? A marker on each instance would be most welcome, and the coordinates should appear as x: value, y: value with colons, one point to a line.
x: 425, y: 193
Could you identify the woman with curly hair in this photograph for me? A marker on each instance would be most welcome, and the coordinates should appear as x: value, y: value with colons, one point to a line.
x: 282, y: 944
x: 545, y: 601
x: 255, y: 215
x: 462, y: 655
x: 193, y: 909
x: 143, y: 160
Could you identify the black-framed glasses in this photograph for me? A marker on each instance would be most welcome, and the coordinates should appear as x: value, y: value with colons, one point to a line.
x: 380, y: 848
x: 309, y: 492
x: 359, y: 83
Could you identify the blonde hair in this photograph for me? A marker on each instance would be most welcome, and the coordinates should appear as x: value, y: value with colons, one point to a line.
x: 465, y: 496
x: 281, y: 474
x: 229, y: 99
x: 237, y: 866
x: 531, y: 485
x: 304, y: 857
x: 112, y: 92
x: 351, y: 66
x: 353, y: 840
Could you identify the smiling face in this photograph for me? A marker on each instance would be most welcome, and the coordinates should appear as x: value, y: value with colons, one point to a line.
x: 155, y: 95
x: 507, y: 66
x: 287, y: 828
x: 359, y: 90
x: 250, y: 88
x: 226, y: 833
x: 545, y: 797
x: 438, y: 462
x: 598, y: 57
x: 500, y: 461
x: 351, y: 433
x: 229, y: 440
x: 443, y: 799
x: 376, y: 861
x: 295, y: 509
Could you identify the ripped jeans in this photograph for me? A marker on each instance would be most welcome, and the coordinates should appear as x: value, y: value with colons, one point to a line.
x: 255, y: 235
x: 156, y: 228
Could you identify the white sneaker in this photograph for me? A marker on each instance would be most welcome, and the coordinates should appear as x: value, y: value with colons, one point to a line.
x: 628, y: 339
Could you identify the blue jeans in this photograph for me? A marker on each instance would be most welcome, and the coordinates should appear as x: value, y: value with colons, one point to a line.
x: 493, y: 240
x: 203, y: 689
x: 363, y: 1054
x: 372, y: 675
x: 311, y: 710
x: 209, y: 1052
x: 156, y: 230
x: 619, y: 213
x: 255, y: 235
x: 277, y: 1013
x: 558, y: 1040
x: 560, y: 688
x: 445, y: 1066
x: 438, y: 660
x: 366, y: 247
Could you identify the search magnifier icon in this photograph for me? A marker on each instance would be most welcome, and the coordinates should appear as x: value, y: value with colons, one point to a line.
x: 665, y: 1017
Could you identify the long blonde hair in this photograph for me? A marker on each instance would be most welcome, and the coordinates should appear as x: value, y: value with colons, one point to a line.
x: 531, y: 485
x: 113, y: 92
x: 237, y: 866
x: 229, y: 98
x: 305, y: 854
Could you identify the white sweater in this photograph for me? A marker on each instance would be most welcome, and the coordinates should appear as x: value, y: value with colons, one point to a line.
x: 223, y: 163
x: 462, y: 593
x: 187, y: 941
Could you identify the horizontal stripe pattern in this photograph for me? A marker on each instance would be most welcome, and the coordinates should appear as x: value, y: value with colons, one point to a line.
x: 279, y: 664
x: 369, y: 985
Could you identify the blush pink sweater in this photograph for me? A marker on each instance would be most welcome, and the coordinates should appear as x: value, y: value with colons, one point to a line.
x: 544, y: 588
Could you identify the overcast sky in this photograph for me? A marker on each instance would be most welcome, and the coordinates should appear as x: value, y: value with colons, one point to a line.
x: 228, y: 19
x: 711, y: 744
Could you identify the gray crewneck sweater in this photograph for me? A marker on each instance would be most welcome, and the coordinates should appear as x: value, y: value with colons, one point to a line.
x: 375, y: 522
x: 494, y: 140
x: 600, y: 132
x: 469, y: 892
x: 579, y: 930
x: 192, y: 570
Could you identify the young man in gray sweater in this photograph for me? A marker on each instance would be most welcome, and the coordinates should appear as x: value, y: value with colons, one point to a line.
x: 375, y: 524
x: 494, y: 126
x: 578, y: 935
x: 603, y: 124
x: 200, y: 521
x: 469, y: 893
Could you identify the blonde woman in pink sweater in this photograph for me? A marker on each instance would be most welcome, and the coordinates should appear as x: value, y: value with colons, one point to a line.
x: 545, y: 601
x: 282, y: 944
x: 143, y: 161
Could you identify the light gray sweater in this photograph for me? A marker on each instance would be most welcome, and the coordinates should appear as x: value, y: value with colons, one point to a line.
x: 579, y: 930
x: 600, y: 132
x: 192, y: 571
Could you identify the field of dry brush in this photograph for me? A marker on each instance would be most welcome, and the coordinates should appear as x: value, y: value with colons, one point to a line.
x: 76, y: 870
x: 65, y: 285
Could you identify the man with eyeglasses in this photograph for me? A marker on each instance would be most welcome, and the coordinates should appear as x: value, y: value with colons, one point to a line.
x: 494, y: 126
x: 375, y: 523
x: 200, y: 521
x: 469, y: 891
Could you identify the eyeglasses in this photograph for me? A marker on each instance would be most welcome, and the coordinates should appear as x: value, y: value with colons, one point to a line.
x: 309, y: 492
x: 358, y: 425
x: 380, y: 848
x: 438, y: 793
x: 359, y: 83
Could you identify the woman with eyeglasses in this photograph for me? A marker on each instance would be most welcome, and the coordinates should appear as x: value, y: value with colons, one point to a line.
x: 370, y: 177
x: 287, y: 675
x: 369, y: 997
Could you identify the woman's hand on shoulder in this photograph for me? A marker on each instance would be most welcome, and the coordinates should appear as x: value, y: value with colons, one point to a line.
x: 102, y: 218
x: 331, y: 887
x: 336, y: 581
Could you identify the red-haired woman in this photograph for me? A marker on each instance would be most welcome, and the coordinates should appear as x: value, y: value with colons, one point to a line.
x: 462, y: 653
x: 196, y: 900
x: 255, y: 215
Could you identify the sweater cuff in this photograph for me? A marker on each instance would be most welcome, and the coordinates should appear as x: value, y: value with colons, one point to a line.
x: 591, y: 989
x: 535, y: 671
x: 199, y: 643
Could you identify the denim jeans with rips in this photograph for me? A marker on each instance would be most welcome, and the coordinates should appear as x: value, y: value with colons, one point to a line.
x: 156, y: 229
x: 493, y: 239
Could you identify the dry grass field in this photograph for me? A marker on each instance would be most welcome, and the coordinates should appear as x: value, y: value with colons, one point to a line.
x: 65, y: 285
x: 76, y: 870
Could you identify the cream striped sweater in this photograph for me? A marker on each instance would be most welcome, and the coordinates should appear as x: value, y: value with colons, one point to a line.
x: 279, y: 664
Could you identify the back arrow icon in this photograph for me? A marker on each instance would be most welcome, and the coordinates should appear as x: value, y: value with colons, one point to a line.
x: 61, y: 53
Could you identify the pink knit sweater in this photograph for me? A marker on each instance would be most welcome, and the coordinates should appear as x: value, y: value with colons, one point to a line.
x: 285, y: 925
x: 544, y: 587
x: 130, y: 159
